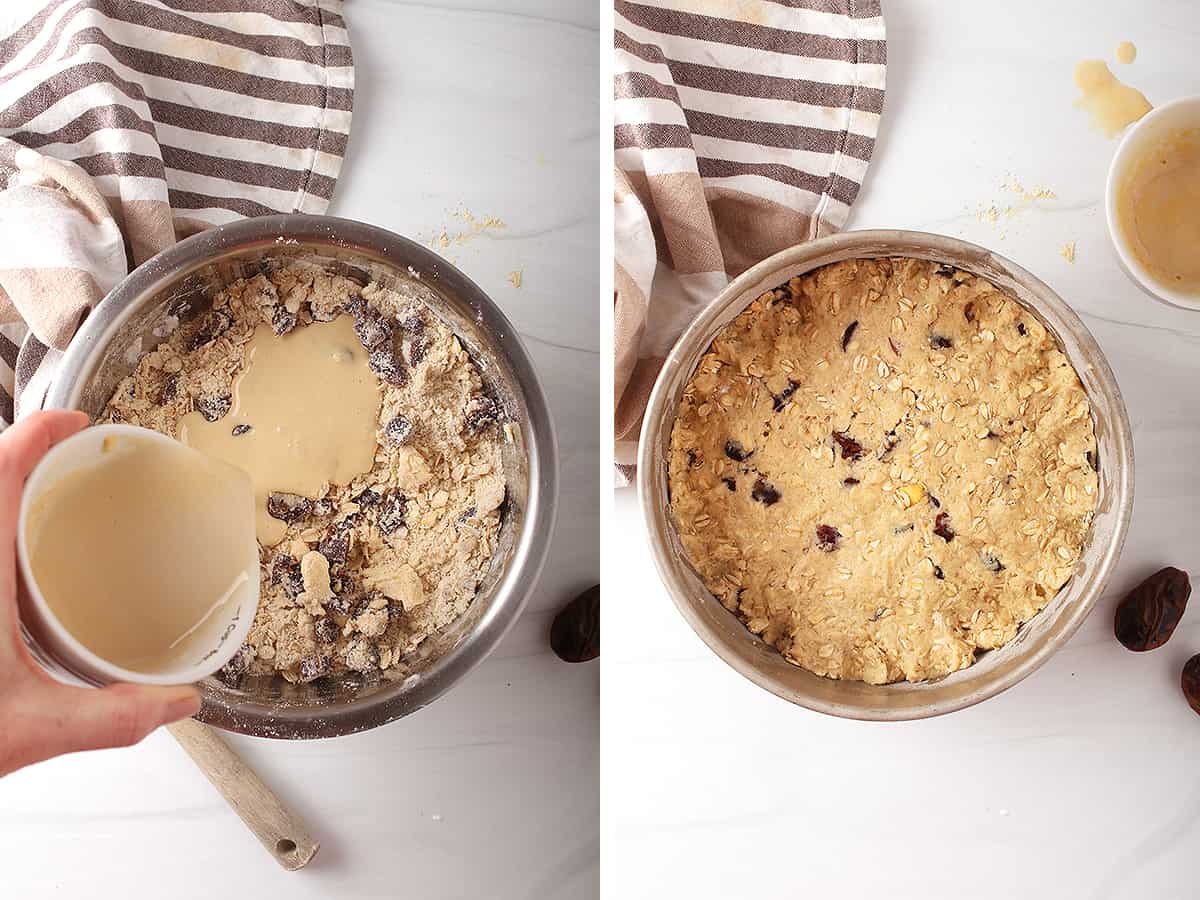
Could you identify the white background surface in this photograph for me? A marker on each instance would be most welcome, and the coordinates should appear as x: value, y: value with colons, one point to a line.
x: 1082, y: 781
x: 492, y: 791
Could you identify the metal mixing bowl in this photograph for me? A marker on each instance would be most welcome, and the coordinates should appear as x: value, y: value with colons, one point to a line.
x: 995, y: 670
x: 131, y: 320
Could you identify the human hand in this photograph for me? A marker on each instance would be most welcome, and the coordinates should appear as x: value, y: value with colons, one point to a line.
x: 40, y: 717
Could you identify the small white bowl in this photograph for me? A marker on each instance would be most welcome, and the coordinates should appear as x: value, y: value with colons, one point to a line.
x: 1138, y: 140
x: 61, y: 652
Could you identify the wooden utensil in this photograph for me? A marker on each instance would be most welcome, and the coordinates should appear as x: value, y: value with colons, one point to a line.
x: 278, y: 829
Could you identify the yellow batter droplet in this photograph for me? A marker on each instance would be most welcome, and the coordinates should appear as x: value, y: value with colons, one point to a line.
x: 1111, y: 103
x: 1126, y: 52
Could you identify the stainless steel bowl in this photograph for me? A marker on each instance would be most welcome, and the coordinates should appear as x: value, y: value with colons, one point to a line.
x: 130, y: 321
x: 995, y: 670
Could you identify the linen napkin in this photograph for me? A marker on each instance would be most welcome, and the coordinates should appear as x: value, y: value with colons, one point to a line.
x: 742, y: 127
x: 127, y: 124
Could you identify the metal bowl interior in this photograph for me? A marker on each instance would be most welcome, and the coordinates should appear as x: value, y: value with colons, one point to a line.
x: 995, y: 670
x: 181, y: 282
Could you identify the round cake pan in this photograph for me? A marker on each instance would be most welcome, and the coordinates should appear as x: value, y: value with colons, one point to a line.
x: 182, y: 281
x: 993, y: 671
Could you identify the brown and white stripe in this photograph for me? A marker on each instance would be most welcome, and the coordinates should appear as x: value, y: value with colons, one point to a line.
x: 127, y: 123
x: 741, y: 127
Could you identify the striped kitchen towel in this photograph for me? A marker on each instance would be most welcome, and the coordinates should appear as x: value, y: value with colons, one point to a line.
x: 126, y: 124
x: 741, y: 127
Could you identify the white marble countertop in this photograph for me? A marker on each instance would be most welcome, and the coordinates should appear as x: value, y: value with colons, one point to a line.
x: 489, y: 106
x: 1080, y: 782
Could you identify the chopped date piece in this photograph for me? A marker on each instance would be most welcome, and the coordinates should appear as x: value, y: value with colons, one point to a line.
x: 213, y: 408
x: 467, y: 515
x: 850, y: 482
x: 327, y: 630
x: 368, y: 497
x: 729, y: 483
x: 480, y: 414
x: 992, y: 563
x: 940, y: 342
x: 384, y: 362
x: 1021, y: 330
x: 941, y: 527
x: 335, y: 547
x: 239, y: 430
x: 288, y: 507
x: 212, y: 325
x: 694, y: 458
x: 851, y: 449
x: 372, y: 328
x: 969, y: 312
x: 734, y: 450
x: 848, y: 334
x: 417, y: 348
x: 934, y: 501
x: 313, y: 667
x: 346, y: 602
x: 391, y: 516
x: 937, y: 571
x: 1189, y: 681
x: 764, y: 492
x: 413, y: 324
x: 1147, y: 617
x: 398, y: 431
x: 781, y: 399
x: 322, y: 507
x: 238, y: 664
x: 170, y: 388
x: 285, y: 572
x: 575, y: 632
x: 283, y: 320
x: 828, y: 538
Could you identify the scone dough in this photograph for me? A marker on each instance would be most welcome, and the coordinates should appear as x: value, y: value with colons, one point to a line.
x: 884, y: 467
x: 378, y: 565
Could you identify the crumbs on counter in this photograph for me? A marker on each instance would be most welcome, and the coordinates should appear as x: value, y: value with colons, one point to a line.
x: 515, y: 277
x: 1067, y: 251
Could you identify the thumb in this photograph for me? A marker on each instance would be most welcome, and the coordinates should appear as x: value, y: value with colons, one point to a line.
x: 121, y: 714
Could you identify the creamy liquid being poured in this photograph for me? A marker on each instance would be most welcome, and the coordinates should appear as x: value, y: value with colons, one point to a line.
x: 1158, y: 210
x: 304, y: 411
x: 138, y: 552
x: 1111, y: 103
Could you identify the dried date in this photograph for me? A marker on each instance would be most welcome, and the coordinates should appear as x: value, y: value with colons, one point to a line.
x: 1189, y: 680
x: 1147, y: 617
x: 575, y: 633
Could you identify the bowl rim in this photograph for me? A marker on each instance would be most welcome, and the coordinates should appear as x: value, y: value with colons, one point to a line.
x: 658, y: 525
x: 1136, y: 272
x: 531, y: 545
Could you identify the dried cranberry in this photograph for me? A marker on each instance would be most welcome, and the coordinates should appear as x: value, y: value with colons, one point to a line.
x: 828, y: 538
x: 734, y: 450
x: 765, y: 492
x: 1147, y: 617
x: 212, y: 325
x: 313, y: 667
x: 288, y: 507
x: 848, y: 334
x: 397, y: 432
x: 327, y: 630
x: 851, y: 449
x: 941, y: 527
x: 213, y: 408
x: 384, y: 362
x: 391, y: 515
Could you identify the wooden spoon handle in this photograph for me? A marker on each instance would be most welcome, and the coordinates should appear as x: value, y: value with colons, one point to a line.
x: 278, y: 829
